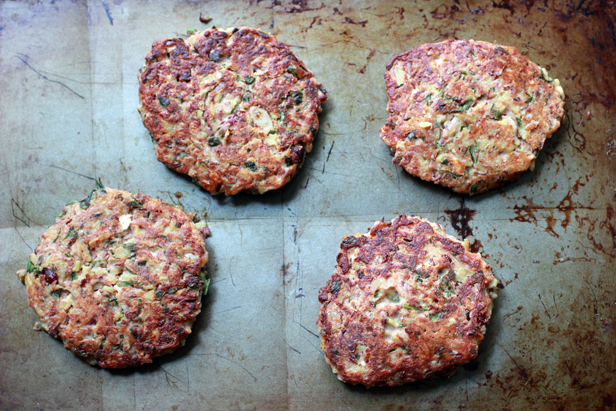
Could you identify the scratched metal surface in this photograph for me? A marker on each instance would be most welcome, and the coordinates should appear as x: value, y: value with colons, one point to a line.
x: 68, y: 74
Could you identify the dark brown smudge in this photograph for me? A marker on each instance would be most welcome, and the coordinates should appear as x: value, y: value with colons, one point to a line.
x: 460, y: 218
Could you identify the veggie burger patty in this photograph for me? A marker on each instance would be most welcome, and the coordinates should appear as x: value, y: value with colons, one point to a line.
x: 469, y: 115
x: 406, y: 302
x: 118, y: 277
x: 234, y: 109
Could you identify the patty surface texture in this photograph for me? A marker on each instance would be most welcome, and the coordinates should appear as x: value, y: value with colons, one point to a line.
x: 118, y: 278
x: 406, y: 302
x: 234, y: 109
x: 469, y: 115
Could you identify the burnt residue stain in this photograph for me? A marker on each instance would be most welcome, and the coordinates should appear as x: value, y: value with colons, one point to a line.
x: 284, y: 270
x: 296, y: 6
x: 563, y: 347
x: 576, y: 138
x: 363, y: 69
x: 568, y: 210
x: 348, y: 20
x: 460, y: 218
x: 608, y: 224
x: 526, y: 213
x: 505, y: 4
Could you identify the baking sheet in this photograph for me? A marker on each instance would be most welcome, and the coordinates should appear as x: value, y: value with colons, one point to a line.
x: 68, y: 72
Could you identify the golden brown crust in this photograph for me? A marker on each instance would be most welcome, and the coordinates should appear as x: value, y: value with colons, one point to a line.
x: 406, y: 302
x: 234, y: 109
x: 118, y: 277
x: 469, y: 115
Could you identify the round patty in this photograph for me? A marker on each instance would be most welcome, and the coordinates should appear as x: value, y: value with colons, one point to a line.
x: 469, y: 115
x: 118, y: 277
x: 406, y: 302
x: 234, y: 109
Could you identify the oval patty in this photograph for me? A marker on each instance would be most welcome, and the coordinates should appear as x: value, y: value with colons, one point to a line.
x: 234, y: 109
x: 406, y: 302
x: 118, y: 278
x: 469, y: 115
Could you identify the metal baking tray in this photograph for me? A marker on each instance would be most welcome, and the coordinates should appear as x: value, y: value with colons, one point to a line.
x: 68, y: 72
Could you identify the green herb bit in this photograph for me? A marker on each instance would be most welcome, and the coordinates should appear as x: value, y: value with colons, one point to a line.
x: 357, y: 356
x: 473, y: 189
x: 213, y: 141
x: 412, y: 307
x: 464, y: 106
x: 73, y: 276
x: 473, y: 152
x: 497, y: 114
x: 142, y: 263
x: 206, y: 286
x: 113, y: 301
x: 428, y: 99
x: 158, y: 294
x: 125, y: 283
x: 421, y: 273
x: 164, y: 101
x: 85, y: 203
x: 297, y: 97
x: 191, y: 31
x: 100, y: 186
x: 530, y: 98
x: 335, y: 286
x: 250, y: 165
x: 436, y: 317
x: 72, y: 233
x: 246, y: 96
x: 130, y: 247
x: 31, y: 267
x: 519, y: 122
x: 135, y: 204
x: 454, y: 175
x: 545, y: 77
x: 56, y: 293
x: 249, y: 79
x: 293, y: 70
x: 411, y: 135
x: 393, y: 298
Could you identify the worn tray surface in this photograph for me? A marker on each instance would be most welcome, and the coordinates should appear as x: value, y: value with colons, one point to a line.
x: 68, y: 71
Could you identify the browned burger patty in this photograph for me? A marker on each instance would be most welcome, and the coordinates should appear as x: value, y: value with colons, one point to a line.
x: 118, y: 278
x: 234, y: 109
x: 469, y: 115
x: 406, y: 302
